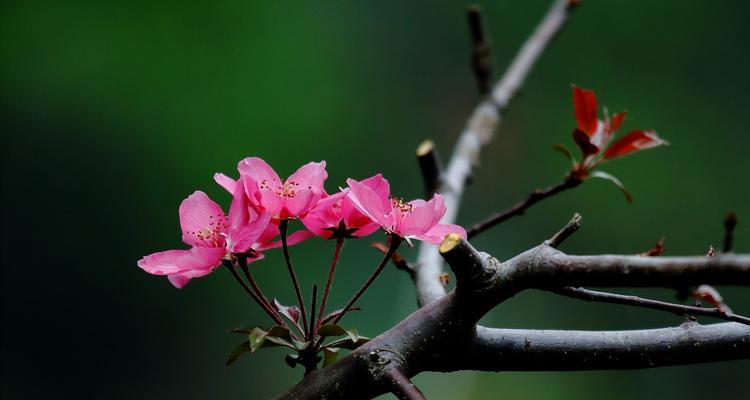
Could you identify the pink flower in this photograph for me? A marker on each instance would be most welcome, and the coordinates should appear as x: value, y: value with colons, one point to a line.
x: 212, y: 235
x: 287, y: 199
x: 336, y: 215
x: 417, y: 219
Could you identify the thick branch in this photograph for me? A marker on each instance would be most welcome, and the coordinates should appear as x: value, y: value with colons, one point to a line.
x: 555, y: 350
x: 544, y: 267
x: 478, y: 132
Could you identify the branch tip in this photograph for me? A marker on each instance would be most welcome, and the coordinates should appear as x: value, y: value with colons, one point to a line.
x: 430, y: 166
x: 450, y: 242
x: 570, y: 228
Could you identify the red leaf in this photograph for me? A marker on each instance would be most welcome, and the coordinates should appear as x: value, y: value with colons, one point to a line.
x: 617, y: 120
x: 584, y: 102
x: 634, y: 141
x: 584, y: 143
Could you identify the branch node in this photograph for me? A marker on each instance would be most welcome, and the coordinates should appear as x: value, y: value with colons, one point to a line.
x: 570, y: 228
x: 430, y: 166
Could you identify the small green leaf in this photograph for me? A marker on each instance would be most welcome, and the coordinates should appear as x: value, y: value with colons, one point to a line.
x: 347, y: 343
x: 299, y: 346
x: 256, y: 338
x: 238, y: 352
x: 332, y: 330
x: 330, y: 355
x: 614, y: 181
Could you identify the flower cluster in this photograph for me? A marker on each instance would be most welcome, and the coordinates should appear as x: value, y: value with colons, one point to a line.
x: 261, y: 201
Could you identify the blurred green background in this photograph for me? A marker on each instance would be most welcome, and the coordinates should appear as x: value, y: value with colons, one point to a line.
x: 113, y: 112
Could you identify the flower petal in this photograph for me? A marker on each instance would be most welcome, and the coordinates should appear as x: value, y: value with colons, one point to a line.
x: 259, y: 170
x: 371, y: 203
x: 199, y: 218
x: 439, y: 232
x: 584, y: 102
x: 309, y: 176
x: 634, y: 141
x: 299, y: 204
x: 177, y: 261
x: 226, y: 182
x: 380, y: 186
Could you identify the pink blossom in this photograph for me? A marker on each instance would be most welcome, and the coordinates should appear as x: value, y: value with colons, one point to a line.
x: 417, y: 219
x: 287, y: 199
x: 213, y: 236
x: 336, y: 215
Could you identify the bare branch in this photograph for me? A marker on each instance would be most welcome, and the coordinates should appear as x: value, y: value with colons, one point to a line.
x: 570, y: 228
x: 521, y: 207
x: 403, y: 388
x: 679, y: 309
x: 478, y: 132
x: 431, y: 167
x: 481, y: 57
x: 543, y: 267
x: 554, y: 350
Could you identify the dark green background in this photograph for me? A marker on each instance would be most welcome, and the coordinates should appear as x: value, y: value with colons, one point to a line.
x: 113, y: 112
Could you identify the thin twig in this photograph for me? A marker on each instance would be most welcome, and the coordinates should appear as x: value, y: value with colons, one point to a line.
x: 329, y: 281
x: 403, y: 387
x: 520, y: 207
x: 730, y: 222
x: 266, y: 304
x: 679, y: 309
x: 293, y: 275
x: 398, y: 260
x: 249, y: 291
x: 478, y: 133
x: 481, y: 56
x: 570, y: 228
x: 395, y: 243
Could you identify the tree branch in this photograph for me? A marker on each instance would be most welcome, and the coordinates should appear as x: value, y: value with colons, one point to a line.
x: 443, y: 336
x: 478, y: 132
x: 679, y: 309
x: 520, y: 207
x: 555, y: 350
x: 403, y: 388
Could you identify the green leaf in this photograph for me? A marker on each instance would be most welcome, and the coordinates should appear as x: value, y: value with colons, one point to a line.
x: 330, y: 355
x: 256, y: 338
x: 615, y: 181
x: 238, y: 352
x: 332, y: 330
x: 347, y: 343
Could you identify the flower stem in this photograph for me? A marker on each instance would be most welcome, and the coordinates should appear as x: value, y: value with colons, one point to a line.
x: 283, y: 225
x: 312, y: 331
x: 266, y: 305
x: 249, y: 291
x: 327, y: 290
x: 395, y: 243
